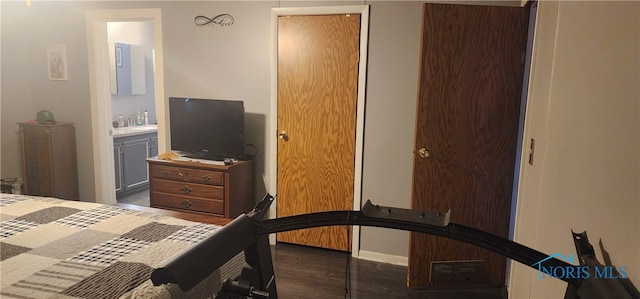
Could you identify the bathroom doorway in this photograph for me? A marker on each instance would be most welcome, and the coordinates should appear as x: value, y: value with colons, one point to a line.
x: 102, y: 102
x: 135, y: 133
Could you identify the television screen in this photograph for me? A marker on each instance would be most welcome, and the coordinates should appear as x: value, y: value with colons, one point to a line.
x: 207, y: 129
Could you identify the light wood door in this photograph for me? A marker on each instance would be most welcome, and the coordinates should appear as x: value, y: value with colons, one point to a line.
x: 472, y: 65
x: 317, y: 99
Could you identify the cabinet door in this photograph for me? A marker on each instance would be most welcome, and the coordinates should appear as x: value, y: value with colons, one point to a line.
x: 134, y: 162
x: 117, y: 159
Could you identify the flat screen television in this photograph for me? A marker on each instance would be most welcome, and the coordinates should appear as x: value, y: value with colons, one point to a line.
x: 207, y: 128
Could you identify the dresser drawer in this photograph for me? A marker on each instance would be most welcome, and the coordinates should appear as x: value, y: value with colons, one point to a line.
x: 188, y: 175
x: 187, y: 203
x: 201, y: 187
x: 188, y: 189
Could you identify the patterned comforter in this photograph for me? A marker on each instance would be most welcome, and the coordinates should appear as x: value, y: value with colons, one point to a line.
x: 53, y: 248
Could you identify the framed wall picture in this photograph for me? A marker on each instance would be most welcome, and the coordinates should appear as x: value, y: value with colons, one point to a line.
x: 57, y: 60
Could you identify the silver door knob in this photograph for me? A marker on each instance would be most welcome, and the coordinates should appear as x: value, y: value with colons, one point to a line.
x: 283, y: 135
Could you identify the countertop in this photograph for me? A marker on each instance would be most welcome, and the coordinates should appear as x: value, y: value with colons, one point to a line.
x: 134, y: 130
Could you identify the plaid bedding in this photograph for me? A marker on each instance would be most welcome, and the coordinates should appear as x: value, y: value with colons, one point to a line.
x: 53, y: 248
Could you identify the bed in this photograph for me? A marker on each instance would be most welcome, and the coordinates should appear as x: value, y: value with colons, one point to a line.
x: 54, y: 248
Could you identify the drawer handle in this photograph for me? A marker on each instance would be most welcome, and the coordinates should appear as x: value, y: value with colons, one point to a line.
x: 180, y: 173
x: 185, y: 203
x: 186, y: 190
x: 206, y: 177
x: 165, y: 173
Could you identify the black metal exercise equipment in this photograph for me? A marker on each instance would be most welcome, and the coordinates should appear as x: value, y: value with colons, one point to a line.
x: 249, y: 233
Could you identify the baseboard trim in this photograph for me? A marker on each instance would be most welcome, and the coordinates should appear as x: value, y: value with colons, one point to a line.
x: 383, y: 258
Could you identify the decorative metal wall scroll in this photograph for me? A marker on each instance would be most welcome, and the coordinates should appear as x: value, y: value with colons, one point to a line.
x: 221, y: 19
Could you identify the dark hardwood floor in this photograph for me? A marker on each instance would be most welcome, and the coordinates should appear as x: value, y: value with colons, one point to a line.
x: 305, y: 272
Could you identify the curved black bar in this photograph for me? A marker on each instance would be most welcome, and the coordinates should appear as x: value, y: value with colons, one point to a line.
x: 507, y: 248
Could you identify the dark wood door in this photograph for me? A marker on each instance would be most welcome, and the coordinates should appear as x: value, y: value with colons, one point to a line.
x: 467, y: 121
x: 317, y: 99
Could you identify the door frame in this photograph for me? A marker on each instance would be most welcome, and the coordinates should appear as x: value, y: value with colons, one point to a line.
x: 363, y: 10
x: 100, y: 91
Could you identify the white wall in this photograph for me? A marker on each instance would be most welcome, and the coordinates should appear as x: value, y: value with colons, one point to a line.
x: 585, y: 117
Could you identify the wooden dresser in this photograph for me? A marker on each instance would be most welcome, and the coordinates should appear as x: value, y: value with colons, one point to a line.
x: 49, y: 164
x: 198, y: 187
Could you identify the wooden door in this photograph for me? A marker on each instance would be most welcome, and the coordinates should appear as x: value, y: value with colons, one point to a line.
x: 472, y: 66
x: 317, y: 99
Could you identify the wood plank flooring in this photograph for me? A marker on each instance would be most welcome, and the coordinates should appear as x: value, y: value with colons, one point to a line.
x: 305, y: 272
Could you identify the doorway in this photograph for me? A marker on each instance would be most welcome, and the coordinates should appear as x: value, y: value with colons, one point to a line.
x: 472, y: 65
x: 304, y: 182
x: 100, y: 91
x: 133, y: 104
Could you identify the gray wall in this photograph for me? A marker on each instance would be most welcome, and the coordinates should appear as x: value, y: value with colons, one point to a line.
x: 217, y: 62
x: 231, y: 62
x: 26, y: 88
x: 392, y: 86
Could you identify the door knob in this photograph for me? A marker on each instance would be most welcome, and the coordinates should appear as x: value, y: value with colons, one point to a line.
x: 283, y: 135
x: 424, y: 153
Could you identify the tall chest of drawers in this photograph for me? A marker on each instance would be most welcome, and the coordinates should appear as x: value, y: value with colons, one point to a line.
x: 49, y: 164
x: 204, y: 188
